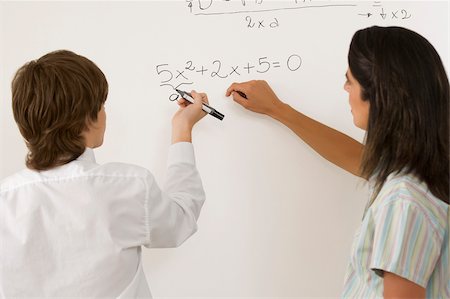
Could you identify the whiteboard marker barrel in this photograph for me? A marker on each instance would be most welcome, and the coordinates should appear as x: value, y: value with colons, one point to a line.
x: 205, y: 107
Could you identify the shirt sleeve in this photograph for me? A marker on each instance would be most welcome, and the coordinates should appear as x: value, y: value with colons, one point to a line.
x: 172, y: 213
x: 405, y: 242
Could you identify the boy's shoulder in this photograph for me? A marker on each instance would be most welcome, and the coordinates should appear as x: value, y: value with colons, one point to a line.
x: 72, y: 170
x: 14, y: 180
x: 121, y: 169
x: 86, y: 164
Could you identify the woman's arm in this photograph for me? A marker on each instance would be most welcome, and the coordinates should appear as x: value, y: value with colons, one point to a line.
x: 331, y: 144
x: 399, y: 287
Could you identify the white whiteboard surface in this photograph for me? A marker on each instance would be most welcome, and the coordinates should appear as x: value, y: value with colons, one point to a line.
x: 279, y: 219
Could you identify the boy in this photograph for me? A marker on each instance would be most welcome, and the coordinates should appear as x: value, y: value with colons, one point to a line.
x: 69, y: 226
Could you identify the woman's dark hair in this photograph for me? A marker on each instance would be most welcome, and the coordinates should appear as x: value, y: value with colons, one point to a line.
x: 403, y: 78
x: 54, y: 98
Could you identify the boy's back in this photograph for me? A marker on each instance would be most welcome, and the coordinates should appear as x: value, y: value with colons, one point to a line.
x: 68, y: 226
x: 77, y: 229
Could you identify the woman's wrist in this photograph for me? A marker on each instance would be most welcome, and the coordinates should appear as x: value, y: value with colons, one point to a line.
x: 278, y: 111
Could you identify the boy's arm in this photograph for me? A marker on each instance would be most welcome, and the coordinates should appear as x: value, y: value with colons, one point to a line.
x: 173, y: 212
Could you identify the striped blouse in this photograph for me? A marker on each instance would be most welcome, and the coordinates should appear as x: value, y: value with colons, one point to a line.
x: 406, y: 232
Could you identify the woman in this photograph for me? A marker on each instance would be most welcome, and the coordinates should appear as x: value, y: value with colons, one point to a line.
x: 399, y: 93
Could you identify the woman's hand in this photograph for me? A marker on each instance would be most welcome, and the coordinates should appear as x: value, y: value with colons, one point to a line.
x: 259, y: 97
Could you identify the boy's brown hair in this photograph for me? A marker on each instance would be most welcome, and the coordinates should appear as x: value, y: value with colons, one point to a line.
x: 54, y: 98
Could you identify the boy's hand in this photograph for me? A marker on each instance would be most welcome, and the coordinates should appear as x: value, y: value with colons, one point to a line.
x: 187, y: 116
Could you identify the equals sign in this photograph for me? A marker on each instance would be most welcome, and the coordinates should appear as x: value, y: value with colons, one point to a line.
x: 276, y: 64
x: 376, y: 4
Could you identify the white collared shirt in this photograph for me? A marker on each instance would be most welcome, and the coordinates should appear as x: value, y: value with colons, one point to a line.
x: 77, y: 230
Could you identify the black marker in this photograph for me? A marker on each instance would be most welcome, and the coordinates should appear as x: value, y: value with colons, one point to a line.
x: 205, y: 107
x: 241, y: 94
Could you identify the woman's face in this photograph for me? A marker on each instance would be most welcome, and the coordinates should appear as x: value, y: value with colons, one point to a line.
x: 359, y: 107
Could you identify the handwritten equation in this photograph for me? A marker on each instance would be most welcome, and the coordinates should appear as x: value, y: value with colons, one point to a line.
x: 365, y: 9
x: 182, y: 76
x: 399, y: 14
x: 221, y: 7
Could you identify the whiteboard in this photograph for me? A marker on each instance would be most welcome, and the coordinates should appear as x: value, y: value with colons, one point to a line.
x: 279, y: 219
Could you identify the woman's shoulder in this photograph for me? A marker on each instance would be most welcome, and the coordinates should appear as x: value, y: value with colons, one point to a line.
x: 403, y: 193
x: 408, y: 185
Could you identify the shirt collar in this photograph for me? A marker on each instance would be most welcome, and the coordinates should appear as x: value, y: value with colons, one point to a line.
x: 88, y: 155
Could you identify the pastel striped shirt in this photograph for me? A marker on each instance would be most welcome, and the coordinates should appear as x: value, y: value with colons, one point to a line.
x: 406, y: 232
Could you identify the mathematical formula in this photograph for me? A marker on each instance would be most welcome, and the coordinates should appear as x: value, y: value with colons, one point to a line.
x: 256, y: 15
x: 177, y: 77
x: 399, y: 14
x: 364, y: 9
x: 217, y: 7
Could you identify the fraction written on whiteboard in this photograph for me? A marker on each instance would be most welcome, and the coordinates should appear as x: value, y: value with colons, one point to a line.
x: 364, y: 9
